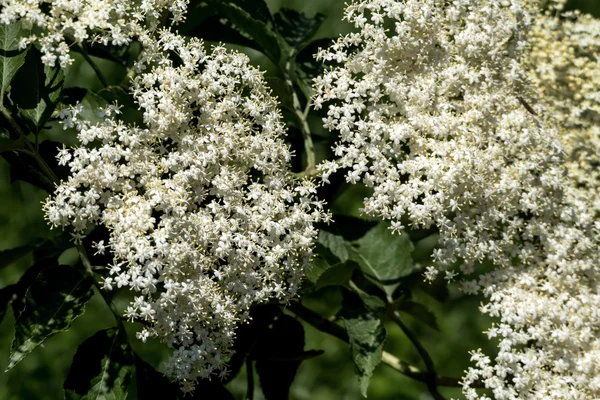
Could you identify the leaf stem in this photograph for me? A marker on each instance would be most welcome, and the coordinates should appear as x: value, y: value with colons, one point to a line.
x: 89, y: 269
x: 95, y: 67
x: 326, y: 326
x: 431, y: 377
x: 302, y: 115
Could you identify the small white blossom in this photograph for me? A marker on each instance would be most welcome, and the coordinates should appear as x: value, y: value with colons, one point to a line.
x: 205, y: 217
x: 432, y: 104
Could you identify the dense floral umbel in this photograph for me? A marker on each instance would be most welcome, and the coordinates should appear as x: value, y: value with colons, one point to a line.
x: 434, y: 113
x: 564, y: 67
x: 205, y: 217
x: 57, y: 24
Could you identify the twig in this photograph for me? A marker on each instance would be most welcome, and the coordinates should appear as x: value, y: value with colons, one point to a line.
x: 431, y: 380
x: 302, y: 115
x: 388, y: 359
x: 96, y: 69
x: 89, y: 269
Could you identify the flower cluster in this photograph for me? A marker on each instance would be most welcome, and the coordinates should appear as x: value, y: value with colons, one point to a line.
x: 56, y: 24
x: 205, y: 217
x: 563, y: 66
x: 435, y: 113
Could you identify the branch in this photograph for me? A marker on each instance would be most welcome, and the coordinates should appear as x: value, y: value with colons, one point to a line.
x: 432, y: 375
x: 388, y: 359
x: 302, y: 115
x: 96, y: 69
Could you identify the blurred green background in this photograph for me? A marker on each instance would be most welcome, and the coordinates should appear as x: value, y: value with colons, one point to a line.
x: 329, y: 376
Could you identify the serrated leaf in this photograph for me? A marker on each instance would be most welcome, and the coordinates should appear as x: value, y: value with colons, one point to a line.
x: 52, y: 302
x: 278, y: 355
x: 151, y: 384
x: 36, y: 89
x: 338, y: 275
x: 318, y: 266
x: 258, y: 9
x: 295, y: 27
x: 335, y: 243
x: 101, y: 368
x: 11, y: 58
x: 361, y: 314
x: 250, y: 27
x: 384, y: 257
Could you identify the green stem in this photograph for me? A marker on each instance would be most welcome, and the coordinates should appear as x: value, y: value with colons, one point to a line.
x: 90, y: 271
x: 326, y: 326
x: 431, y: 380
x: 302, y: 115
x: 95, y: 67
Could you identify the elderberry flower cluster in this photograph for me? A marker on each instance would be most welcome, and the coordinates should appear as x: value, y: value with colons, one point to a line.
x: 435, y: 113
x: 57, y: 24
x: 205, y: 217
x: 563, y: 65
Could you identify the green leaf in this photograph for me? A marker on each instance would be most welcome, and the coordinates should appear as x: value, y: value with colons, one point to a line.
x: 101, y: 368
x: 91, y: 104
x: 9, y: 256
x: 36, y: 89
x: 338, y: 275
x: 52, y: 302
x: 151, y: 384
x: 362, y: 318
x: 257, y: 9
x: 336, y: 244
x: 420, y: 312
x: 318, y: 266
x: 250, y: 27
x: 384, y: 257
x: 11, y: 58
x: 295, y: 27
x: 278, y: 355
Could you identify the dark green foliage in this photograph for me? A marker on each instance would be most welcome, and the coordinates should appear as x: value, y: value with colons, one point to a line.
x: 36, y: 89
x: 295, y: 27
x: 11, y: 57
x: 101, y: 369
x: 52, y: 302
x: 362, y: 318
x: 384, y: 257
x: 278, y: 355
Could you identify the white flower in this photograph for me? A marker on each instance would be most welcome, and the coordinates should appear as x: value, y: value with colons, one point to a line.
x: 436, y: 114
x: 205, y: 217
x: 63, y: 22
